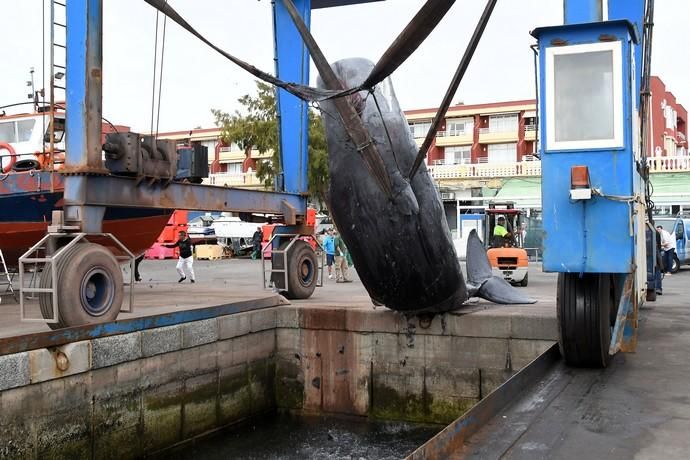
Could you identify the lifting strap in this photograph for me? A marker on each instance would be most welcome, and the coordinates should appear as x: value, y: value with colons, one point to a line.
x: 419, y: 28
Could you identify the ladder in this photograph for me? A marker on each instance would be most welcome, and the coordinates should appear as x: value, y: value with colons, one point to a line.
x: 58, y: 64
x: 6, y: 275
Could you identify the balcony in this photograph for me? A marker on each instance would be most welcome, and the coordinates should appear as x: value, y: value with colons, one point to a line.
x: 447, y: 139
x: 493, y: 136
x: 532, y: 168
x: 486, y: 170
x: 530, y: 132
x: 669, y: 164
x: 245, y: 180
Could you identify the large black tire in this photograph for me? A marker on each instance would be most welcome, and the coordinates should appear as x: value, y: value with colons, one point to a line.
x: 675, y: 267
x: 90, y: 287
x: 525, y: 280
x: 302, y: 270
x: 584, y: 318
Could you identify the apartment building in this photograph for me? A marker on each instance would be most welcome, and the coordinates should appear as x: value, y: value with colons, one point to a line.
x: 496, y: 133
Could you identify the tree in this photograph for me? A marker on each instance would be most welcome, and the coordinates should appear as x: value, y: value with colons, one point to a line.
x: 257, y: 129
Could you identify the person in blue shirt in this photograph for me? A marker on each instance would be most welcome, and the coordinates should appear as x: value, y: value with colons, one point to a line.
x: 329, y: 248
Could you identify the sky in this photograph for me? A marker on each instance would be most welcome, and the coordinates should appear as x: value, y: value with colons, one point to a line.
x: 196, y: 79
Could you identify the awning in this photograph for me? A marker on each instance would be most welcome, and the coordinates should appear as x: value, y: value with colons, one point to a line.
x: 671, y: 188
x: 524, y: 192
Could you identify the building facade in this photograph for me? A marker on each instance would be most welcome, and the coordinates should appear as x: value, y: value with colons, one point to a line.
x: 486, y: 152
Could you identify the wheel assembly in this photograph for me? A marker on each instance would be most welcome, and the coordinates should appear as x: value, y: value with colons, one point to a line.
x: 675, y: 265
x: 302, y: 270
x: 585, y: 305
x: 90, y: 287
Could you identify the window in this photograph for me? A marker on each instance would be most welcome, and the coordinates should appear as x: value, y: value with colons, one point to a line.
x: 24, y: 130
x: 17, y: 131
x: 7, y: 132
x: 458, y: 155
x: 459, y: 127
x: 235, y: 168
x: 502, y: 153
x: 419, y: 130
x: 503, y: 123
x: 584, y: 96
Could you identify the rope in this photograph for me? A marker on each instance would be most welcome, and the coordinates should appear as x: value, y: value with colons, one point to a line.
x: 454, y: 84
x: 155, y: 67
x: 160, y: 73
x: 405, y: 44
x: 385, y: 128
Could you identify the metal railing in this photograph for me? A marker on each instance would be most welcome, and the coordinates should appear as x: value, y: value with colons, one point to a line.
x: 530, y: 166
x: 523, y: 168
x: 233, y: 179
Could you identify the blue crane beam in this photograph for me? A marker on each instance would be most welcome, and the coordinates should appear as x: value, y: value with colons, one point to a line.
x: 87, y: 190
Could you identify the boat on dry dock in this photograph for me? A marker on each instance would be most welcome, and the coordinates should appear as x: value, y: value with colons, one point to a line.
x: 31, y: 187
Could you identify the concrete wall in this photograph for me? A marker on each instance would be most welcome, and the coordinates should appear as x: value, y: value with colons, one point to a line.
x: 377, y: 363
x: 125, y: 395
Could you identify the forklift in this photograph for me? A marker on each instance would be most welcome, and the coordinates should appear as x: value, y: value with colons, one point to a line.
x: 506, y: 253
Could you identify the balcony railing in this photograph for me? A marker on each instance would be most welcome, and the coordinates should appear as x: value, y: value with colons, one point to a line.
x: 453, y: 133
x: 669, y: 164
x: 234, y: 180
x: 523, y: 168
x: 530, y: 128
x: 532, y: 167
x: 498, y: 130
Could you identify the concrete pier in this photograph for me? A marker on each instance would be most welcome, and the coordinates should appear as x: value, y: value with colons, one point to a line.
x: 128, y: 394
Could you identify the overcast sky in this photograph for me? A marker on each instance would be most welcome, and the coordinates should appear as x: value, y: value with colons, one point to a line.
x: 196, y: 79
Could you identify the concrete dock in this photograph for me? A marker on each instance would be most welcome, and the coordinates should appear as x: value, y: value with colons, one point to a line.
x: 151, y: 384
x: 233, y: 280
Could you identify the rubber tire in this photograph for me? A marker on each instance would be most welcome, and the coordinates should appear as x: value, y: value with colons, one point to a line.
x: 72, y: 268
x: 583, y: 306
x: 675, y: 268
x: 525, y: 280
x: 299, y: 287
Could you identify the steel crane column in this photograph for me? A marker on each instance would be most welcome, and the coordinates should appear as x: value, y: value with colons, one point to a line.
x: 84, y: 110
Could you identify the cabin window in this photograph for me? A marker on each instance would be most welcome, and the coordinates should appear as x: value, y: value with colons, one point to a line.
x: 584, y: 96
x: 24, y: 130
x: 7, y: 132
x: 17, y: 131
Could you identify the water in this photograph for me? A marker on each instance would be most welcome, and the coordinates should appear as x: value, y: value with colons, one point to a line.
x: 286, y: 437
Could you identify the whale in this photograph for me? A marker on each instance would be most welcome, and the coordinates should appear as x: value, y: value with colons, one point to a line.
x: 398, y: 236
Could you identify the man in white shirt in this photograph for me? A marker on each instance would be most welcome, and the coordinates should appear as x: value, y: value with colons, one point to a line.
x: 668, y: 246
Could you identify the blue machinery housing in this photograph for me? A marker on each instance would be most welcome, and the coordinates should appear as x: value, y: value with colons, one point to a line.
x: 590, y: 72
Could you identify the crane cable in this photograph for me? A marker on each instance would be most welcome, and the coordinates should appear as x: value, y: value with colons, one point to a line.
x: 157, y: 109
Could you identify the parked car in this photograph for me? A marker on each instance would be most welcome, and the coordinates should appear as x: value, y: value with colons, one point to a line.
x: 680, y: 227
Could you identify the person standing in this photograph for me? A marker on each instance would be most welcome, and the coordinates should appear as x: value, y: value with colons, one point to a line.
x: 184, y: 243
x: 658, y: 265
x: 257, y: 239
x: 340, y: 259
x: 329, y: 248
x: 668, y: 245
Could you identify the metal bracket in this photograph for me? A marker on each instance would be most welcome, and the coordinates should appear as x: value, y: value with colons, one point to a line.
x: 45, y: 244
x: 293, y: 238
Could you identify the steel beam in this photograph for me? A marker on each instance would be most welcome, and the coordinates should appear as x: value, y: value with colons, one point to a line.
x: 579, y: 11
x: 84, y: 85
x: 292, y: 64
x: 125, y: 192
x: 84, y: 109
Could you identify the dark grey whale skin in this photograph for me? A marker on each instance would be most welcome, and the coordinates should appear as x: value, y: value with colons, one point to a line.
x: 480, y: 280
x: 400, y: 245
